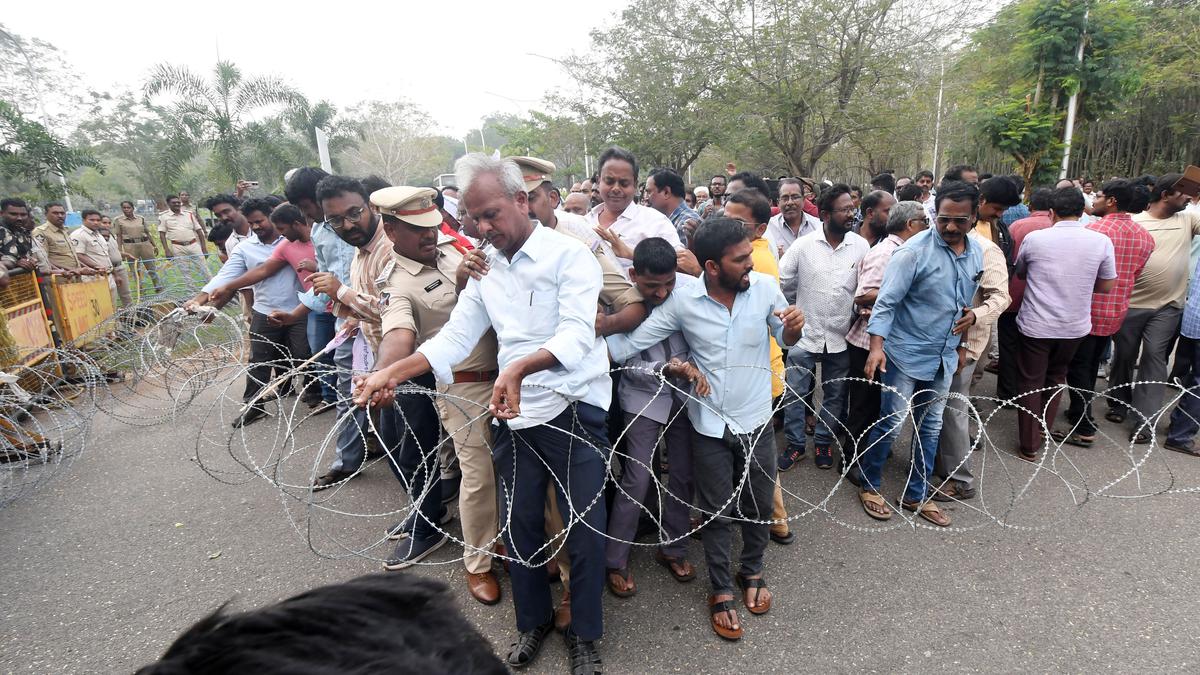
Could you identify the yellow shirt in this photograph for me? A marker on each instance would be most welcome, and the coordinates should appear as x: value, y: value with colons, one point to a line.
x: 765, y: 263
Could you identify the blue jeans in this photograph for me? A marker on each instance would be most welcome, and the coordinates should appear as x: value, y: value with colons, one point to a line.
x: 351, y: 419
x: 800, y: 367
x: 320, y: 332
x: 928, y: 399
x: 1185, y: 415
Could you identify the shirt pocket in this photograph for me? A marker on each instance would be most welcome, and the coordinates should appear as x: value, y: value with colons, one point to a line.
x: 539, y: 316
x: 441, y: 299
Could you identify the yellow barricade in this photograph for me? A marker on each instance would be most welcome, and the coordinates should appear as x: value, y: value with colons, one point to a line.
x: 28, y: 340
x: 80, y: 304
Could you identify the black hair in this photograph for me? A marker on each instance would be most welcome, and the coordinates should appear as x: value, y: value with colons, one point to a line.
x: 715, y: 236
x: 332, y: 186
x: 1123, y: 192
x: 909, y: 193
x: 288, y: 214
x: 50, y: 205
x: 260, y: 204
x: 955, y: 172
x: 439, y: 200
x: 1067, y: 202
x: 170, y: 197
x: 1000, y: 190
x: 885, y: 182
x: 1164, y: 184
x: 274, y: 200
x: 373, y: 183
x: 752, y: 182
x: 214, y: 200
x: 721, y: 176
x: 303, y: 184
x: 1040, y: 199
x: 405, y: 620
x: 220, y: 232
x: 1141, y: 198
x: 1147, y: 179
x: 856, y: 190
x: 88, y: 212
x: 1018, y: 181
x: 874, y: 197
x: 654, y: 256
x: 669, y: 179
x: 984, y: 176
x: 829, y: 195
x: 760, y: 207
x: 126, y: 201
x: 956, y: 191
x: 450, y: 187
x: 924, y: 173
x: 14, y: 201
x: 618, y: 153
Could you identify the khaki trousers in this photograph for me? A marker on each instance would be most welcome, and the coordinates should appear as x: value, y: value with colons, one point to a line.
x: 477, y: 506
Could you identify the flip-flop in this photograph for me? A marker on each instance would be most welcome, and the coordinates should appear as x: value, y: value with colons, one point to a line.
x: 1187, y: 450
x: 1114, y: 417
x: 747, y: 583
x: 926, y: 510
x: 874, y: 498
x: 716, y: 607
x: 1076, y: 439
x: 626, y: 577
x: 669, y: 562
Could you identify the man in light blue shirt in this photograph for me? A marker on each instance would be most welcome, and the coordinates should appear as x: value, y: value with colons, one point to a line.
x: 269, y: 343
x: 550, y: 399
x: 917, y: 328
x: 727, y: 321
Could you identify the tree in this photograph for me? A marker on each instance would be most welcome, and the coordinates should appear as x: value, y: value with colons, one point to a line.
x: 30, y: 153
x: 217, y: 115
x: 395, y: 141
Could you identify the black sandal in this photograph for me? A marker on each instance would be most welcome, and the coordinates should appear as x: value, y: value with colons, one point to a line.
x: 1114, y: 417
x: 525, y: 649
x: 758, y: 584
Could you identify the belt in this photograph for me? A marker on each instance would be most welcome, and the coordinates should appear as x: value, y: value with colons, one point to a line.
x: 183, y: 243
x: 466, y: 376
x: 139, y: 240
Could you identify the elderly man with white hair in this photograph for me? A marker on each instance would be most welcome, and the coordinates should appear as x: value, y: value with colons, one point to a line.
x: 539, y: 295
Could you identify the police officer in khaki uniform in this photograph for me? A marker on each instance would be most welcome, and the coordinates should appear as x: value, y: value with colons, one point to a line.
x: 134, y: 236
x: 91, y: 248
x: 420, y: 292
x: 182, y: 238
x: 52, y: 237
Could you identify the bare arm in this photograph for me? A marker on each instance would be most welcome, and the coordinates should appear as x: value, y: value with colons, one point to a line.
x: 1104, y: 285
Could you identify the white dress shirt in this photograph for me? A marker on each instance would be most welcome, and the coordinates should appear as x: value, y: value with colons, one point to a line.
x: 781, y: 236
x: 820, y: 280
x: 636, y: 223
x: 578, y: 226
x: 544, y: 298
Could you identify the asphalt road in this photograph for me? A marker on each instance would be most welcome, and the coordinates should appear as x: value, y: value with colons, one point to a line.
x: 105, y: 564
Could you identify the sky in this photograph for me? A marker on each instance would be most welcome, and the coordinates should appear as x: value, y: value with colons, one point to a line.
x: 458, y: 60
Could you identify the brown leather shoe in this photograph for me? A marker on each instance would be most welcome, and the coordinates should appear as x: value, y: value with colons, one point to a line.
x: 484, y: 587
x: 562, y: 615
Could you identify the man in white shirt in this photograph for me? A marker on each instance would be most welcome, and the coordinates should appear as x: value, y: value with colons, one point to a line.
x: 791, y: 222
x: 818, y: 274
x: 619, y: 220
x: 549, y: 400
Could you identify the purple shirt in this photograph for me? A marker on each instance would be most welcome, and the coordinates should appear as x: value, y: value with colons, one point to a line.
x: 1061, y: 265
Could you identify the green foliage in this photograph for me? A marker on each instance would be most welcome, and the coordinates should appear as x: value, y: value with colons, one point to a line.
x: 1029, y: 135
x: 30, y: 153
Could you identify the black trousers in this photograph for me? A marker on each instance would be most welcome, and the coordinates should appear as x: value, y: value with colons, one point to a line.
x: 862, y: 404
x: 1008, y: 339
x: 1081, y: 375
x: 276, y: 348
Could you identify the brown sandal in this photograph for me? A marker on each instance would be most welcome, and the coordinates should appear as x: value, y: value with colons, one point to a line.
x: 758, y: 585
x: 670, y: 562
x: 927, y: 510
x: 625, y: 576
x: 716, y: 607
x: 868, y: 497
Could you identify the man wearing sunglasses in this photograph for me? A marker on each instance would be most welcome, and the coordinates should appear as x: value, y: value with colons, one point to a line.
x: 918, y: 332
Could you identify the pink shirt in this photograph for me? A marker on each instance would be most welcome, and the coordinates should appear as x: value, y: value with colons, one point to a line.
x: 292, y: 252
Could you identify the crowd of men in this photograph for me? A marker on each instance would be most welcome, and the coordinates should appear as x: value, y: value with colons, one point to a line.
x: 688, y: 324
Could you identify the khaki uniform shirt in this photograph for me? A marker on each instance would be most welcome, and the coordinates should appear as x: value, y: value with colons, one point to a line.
x: 134, y: 236
x: 180, y: 229
x: 57, y: 245
x: 114, y: 252
x: 420, y: 298
x: 93, y: 245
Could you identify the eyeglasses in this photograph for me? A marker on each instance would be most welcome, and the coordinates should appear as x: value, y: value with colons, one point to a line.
x: 848, y: 210
x: 783, y: 199
x: 923, y: 221
x: 339, y: 223
x: 960, y: 221
x: 744, y: 223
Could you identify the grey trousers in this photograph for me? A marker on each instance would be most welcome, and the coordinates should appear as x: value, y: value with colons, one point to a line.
x: 954, y: 445
x: 718, y: 465
x: 1153, y: 331
x: 674, y: 501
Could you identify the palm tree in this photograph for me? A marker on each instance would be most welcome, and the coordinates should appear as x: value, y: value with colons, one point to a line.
x: 216, y: 115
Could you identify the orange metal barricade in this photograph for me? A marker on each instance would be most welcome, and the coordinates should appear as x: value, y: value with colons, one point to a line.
x: 24, y: 316
x: 79, y: 305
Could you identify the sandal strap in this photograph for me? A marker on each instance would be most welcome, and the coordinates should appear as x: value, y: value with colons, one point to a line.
x: 747, y: 582
x: 722, y: 606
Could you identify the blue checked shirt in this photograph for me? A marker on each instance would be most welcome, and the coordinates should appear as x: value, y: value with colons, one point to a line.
x: 333, y: 255
x: 1191, y: 312
x: 681, y: 216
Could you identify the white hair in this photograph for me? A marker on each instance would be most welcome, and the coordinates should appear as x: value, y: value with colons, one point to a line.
x: 470, y: 167
x: 701, y: 190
